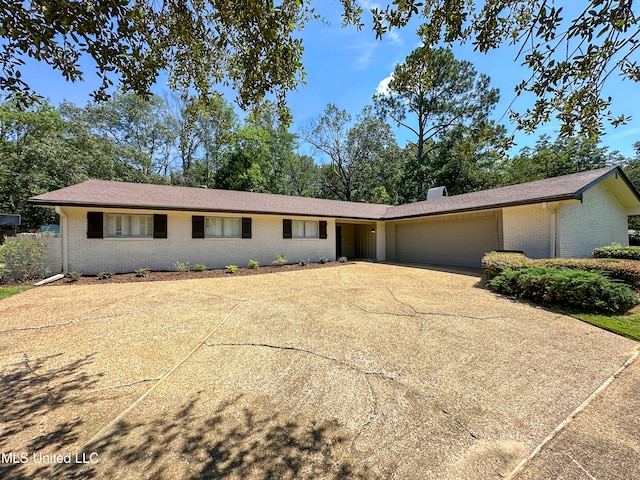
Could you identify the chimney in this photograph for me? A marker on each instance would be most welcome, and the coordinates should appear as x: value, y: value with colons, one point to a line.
x: 436, y: 192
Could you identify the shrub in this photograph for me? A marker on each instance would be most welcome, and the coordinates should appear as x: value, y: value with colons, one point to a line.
x: 304, y: 261
x: 74, y: 276
x: 181, y: 267
x: 24, y: 259
x: 494, y: 263
x: 577, y: 289
x: 253, y: 264
x: 103, y: 275
x: 615, y: 250
x: 142, y: 272
x: 627, y: 271
x: 342, y: 260
x: 231, y: 268
x: 280, y: 260
x: 199, y: 267
x: 323, y: 260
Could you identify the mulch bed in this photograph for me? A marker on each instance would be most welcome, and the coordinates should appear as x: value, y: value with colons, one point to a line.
x: 168, y: 276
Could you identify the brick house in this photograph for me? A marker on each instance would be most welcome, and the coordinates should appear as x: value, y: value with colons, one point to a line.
x: 121, y: 226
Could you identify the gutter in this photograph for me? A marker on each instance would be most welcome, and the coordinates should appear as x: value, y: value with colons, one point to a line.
x: 65, y: 240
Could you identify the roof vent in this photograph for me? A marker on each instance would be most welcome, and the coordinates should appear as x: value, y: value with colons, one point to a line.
x: 436, y: 192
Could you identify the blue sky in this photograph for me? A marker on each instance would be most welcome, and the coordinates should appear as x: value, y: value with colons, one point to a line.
x: 346, y: 66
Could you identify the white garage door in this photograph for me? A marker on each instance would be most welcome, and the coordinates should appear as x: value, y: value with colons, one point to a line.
x: 460, y: 242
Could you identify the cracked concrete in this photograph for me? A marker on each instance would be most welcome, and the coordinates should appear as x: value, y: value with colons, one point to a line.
x: 359, y: 371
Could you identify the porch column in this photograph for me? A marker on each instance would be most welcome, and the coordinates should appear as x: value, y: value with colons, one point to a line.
x: 381, y: 242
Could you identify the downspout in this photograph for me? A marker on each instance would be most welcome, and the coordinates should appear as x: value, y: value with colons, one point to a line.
x: 65, y: 240
x: 552, y: 230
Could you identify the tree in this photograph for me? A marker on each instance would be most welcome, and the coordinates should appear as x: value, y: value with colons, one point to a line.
x: 360, y: 157
x: 431, y: 93
x: 570, y: 59
x: 562, y: 156
x: 199, y: 44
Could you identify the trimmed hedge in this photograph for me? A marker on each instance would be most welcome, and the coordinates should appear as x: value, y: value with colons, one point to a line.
x: 569, y: 288
x: 615, y: 250
x: 627, y: 271
x: 493, y: 263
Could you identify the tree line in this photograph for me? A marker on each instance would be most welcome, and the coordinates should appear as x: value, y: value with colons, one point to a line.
x: 183, y: 140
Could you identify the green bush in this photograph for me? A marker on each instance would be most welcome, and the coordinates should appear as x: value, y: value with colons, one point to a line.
x: 494, y: 263
x: 253, y: 264
x: 74, y: 276
x: 199, y: 267
x: 304, y: 261
x: 231, y: 268
x: 323, y: 260
x: 142, y: 272
x: 615, y: 250
x: 627, y: 271
x: 579, y: 289
x: 181, y: 267
x: 342, y: 260
x: 24, y: 259
x: 280, y: 260
x: 103, y: 275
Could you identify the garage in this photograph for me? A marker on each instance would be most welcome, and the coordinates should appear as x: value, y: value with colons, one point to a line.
x: 460, y: 240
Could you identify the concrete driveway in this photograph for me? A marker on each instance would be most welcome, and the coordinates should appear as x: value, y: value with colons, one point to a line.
x: 359, y: 371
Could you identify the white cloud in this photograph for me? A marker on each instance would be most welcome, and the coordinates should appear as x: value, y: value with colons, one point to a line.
x: 383, y: 86
x: 394, y: 37
x: 364, y: 58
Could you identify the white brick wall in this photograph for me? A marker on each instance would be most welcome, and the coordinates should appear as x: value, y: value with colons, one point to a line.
x: 527, y: 228
x: 91, y: 256
x: 599, y: 220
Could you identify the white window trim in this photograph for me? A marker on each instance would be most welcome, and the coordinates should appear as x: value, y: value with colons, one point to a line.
x: 223, y: 236
x: 107, y: 236
x: 304, y: 237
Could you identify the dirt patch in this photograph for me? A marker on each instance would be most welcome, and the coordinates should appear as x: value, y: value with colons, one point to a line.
x: 155, y: 276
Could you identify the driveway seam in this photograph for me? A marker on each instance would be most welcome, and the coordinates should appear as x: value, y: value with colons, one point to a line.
x: 563, y: 425
x: 158, y: 383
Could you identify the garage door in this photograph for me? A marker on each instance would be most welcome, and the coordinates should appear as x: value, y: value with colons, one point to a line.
x: 460, y: 241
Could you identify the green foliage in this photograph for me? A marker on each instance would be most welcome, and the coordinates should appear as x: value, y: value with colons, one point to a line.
x: 493, y: 263
x: 253, y: 264
x: 342, y: 260
x: 430, y: 94
x: 578, y: 289
x: 9, y: 291
x: 627, y: 324
x: 141, y: 272
x: 24, y: 259
x: 323, y: 260
x: 564, y: 78
x: 551, y: 159
x: 280, y: 260
x: 304, y: 261
x: 103, y: 275
x: 181, y: 267
x: 199, y: 267
x: 74, y: 276
x: 231, y: 268
x: 615, y: 250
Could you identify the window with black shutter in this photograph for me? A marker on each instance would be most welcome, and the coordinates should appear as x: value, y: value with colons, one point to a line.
x: 159, y: 226
x: 246, y: 228
x: 197, y: 226
x: 323, y: 229
x: 286, y: 229
x: 95, y: 227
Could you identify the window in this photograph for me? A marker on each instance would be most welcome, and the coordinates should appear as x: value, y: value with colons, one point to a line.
x: 129, y: 226
x: 304, y: 229
x: 222, y: 227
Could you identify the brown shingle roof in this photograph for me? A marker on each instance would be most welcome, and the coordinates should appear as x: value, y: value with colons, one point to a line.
x: 551, y: 189
x: 99, y: 193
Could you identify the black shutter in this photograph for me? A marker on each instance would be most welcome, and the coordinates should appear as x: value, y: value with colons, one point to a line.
x: 323, y: 229
x: 94, y: 225
x: 246, y: 228
x: 159, y: 226
x: 286, y: 229
x: 197, y: 226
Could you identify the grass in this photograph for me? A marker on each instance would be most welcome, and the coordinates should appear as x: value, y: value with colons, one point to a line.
x: 627, y: 325
x: 8, y: 291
